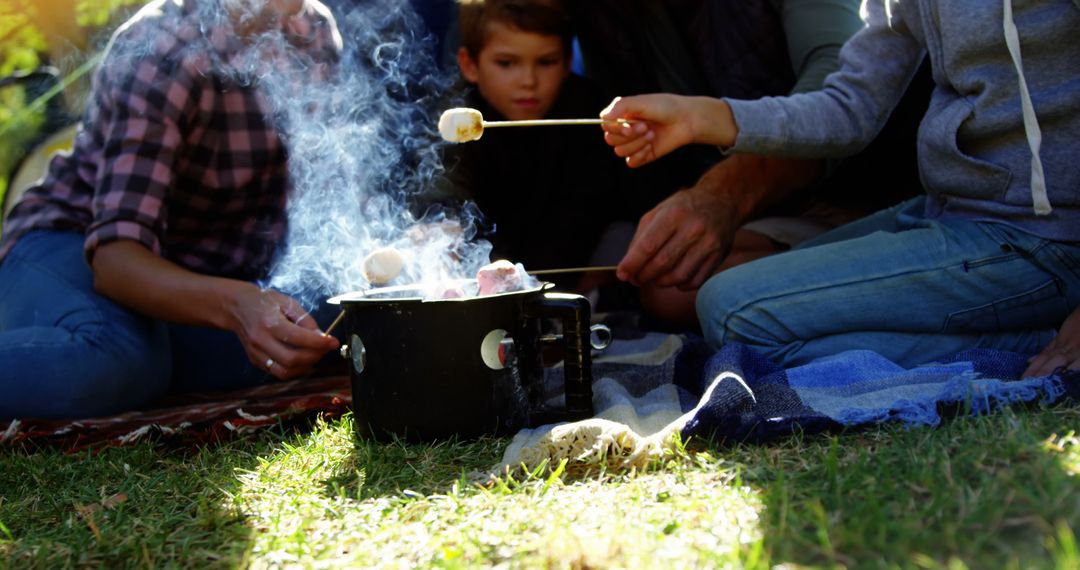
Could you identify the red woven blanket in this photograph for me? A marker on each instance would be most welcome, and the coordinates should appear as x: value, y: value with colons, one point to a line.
x: 193, y: 417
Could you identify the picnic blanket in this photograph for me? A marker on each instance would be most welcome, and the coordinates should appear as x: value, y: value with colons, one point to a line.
x: 647, y: 390
x: 193, y: 418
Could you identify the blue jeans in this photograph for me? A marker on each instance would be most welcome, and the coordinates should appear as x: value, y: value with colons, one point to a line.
x: 68, y: 352
x: 909, y: 288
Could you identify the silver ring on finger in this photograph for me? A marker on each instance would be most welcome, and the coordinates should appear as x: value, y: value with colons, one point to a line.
x: 269, y: 363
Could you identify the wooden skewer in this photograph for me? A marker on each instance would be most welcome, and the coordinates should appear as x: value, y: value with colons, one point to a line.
x: 330, y: 328
x: 547, y: 122
x: 573, y: 269
x: 462, y: 124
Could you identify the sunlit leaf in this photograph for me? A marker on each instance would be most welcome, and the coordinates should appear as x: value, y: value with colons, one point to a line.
x: 99, y: 12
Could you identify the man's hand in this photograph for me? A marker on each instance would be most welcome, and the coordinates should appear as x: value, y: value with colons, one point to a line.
x: 1062, y: 352
x: 685, y: 239
x: 681, y: 241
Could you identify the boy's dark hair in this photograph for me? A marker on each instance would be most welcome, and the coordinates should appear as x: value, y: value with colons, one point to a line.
x: 545, y: 17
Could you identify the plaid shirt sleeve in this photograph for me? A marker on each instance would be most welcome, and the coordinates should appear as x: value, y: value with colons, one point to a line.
x: 140, y: 109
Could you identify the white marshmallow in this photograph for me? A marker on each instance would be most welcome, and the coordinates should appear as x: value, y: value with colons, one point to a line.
x: 383, y: 265
x: 461, y: 124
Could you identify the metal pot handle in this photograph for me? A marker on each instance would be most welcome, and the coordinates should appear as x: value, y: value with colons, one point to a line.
x: 575, y: 312
x: 600, y: 337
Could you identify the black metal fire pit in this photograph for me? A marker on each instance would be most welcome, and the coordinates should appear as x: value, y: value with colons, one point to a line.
x: 432, y: 369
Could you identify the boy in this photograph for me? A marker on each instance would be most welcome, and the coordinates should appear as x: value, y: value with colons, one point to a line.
x: 547, y: 191
x: 989, y: 257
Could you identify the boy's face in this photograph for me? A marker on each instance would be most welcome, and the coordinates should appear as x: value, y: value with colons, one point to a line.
x: 519, y: 73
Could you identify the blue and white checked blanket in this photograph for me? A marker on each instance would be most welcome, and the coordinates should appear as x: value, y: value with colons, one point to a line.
x: 648, y: 389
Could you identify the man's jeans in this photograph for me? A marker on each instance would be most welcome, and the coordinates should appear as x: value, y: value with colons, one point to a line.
x: 912, y: 289
x: 68, y: 352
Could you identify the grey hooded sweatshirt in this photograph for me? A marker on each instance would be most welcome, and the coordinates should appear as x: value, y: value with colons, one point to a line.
x: 1001, y: 138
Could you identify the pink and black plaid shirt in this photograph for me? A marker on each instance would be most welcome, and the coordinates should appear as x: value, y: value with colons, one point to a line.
x: 177, y: 150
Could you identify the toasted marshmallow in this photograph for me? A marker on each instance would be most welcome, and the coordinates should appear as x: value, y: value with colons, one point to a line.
x: 499, y: 276
x: 461, y: 124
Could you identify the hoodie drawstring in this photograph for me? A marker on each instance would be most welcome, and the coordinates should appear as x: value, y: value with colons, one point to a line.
x: 1031, y: 124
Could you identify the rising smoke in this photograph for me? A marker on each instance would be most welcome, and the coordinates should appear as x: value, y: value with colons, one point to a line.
x: 363, y: 146
x: 361, y: 136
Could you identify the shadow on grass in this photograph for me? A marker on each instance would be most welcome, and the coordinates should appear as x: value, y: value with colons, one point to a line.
x: 989, y: 491
x: 152, y: 505
x: 147, y: 505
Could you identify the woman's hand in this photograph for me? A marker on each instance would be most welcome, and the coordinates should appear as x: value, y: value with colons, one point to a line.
x: 276, y: 332
x: 645, y: 127
x: 1062, y: 352
x: 278, y: 335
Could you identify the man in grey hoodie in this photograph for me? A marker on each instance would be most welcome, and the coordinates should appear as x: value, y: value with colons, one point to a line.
x: 989, y: 257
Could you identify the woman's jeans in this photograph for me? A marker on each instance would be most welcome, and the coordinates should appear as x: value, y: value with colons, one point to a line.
x: 68, y: 352
x: 909, y: 288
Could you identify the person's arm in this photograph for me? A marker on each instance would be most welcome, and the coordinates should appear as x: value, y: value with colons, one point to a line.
x: 815, y: 30
x: 876, y: 67
x: 145, y: 132
x: 270, y: 325
x: 879, y: 63
x: 1062, y: 352
x: 684, y: 239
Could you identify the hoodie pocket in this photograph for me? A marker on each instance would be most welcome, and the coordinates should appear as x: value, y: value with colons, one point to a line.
x: 944, y: 168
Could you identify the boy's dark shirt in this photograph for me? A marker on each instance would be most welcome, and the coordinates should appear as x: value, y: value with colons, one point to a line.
x: 547, y: 192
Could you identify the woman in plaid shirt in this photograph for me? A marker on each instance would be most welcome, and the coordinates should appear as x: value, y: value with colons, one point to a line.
x: 130, y: 270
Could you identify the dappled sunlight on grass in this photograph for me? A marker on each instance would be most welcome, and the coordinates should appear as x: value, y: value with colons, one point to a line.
x: 325, y: 499
x: 958, y: 496
x: 1066, y: 448
x: 999, y: 491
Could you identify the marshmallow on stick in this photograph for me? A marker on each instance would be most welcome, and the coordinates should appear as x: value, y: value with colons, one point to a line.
x: 383, y: 265
x: 462, y: 124
x: 501, y: 276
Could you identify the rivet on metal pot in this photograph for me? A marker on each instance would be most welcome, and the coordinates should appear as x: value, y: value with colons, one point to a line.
x: 359, y: 354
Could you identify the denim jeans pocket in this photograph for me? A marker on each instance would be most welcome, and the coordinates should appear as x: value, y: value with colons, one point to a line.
x: 1054, y: 258
x: 1065, y: 258
x: 1039, y: 307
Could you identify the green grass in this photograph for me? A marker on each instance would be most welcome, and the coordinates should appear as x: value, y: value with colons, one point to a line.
x: 991, y: 492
